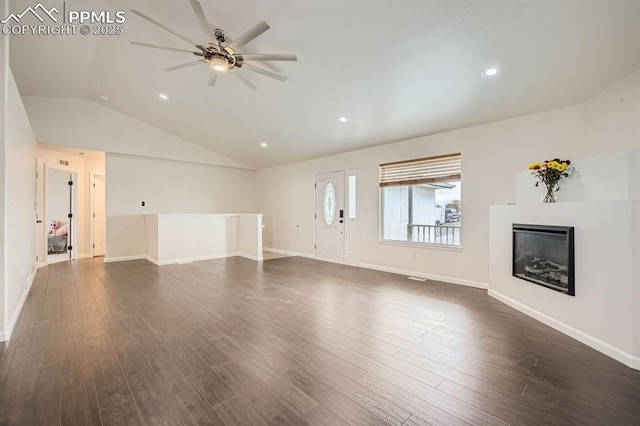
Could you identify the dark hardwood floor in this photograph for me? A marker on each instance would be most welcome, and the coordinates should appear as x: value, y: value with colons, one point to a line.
x: 292, y: 341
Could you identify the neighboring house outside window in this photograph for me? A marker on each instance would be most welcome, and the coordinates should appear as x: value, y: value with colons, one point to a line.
x: 420, y: 200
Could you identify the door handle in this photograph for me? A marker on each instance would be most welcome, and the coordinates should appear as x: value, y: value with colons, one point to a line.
x: 38, y: 221
x: 341, y: 221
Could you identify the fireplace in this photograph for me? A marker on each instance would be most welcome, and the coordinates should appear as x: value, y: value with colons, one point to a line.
x: 544, y: 255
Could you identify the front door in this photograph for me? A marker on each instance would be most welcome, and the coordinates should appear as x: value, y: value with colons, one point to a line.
x: 330, y: 216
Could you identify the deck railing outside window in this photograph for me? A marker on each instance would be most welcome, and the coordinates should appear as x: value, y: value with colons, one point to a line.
x: 434, y: 234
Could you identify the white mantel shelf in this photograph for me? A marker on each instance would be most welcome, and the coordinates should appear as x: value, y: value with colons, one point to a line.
x: 605, y: 312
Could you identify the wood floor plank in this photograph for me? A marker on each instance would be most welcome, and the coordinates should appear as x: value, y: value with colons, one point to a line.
x: 117, y: 405
x: 182, y: 393
x: 145, y: 387
x: 292, y: 341
x: 236, y: 411
x: 321, y: 416
x: 507, y: 407
x: 428, y: 403
x: 343, y: 407
x: 291, y: 396
x: 79, y: 402
x: 273, y: 411
x: 361, y: 395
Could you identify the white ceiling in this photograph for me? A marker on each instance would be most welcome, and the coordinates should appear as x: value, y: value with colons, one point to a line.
x: 396, y: 69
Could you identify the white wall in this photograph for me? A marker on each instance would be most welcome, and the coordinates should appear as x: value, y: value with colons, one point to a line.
x: 491, y: 155
x: 19, y: 202
x: 176, y: 238
x: 4, y: 88
x: 635, y: 273
x: 81, y: 123
x: 167, y: 187
x: 612, y: 118
x: 249, y: 236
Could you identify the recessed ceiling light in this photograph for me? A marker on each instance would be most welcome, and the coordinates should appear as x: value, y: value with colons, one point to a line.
x: 163, y: 96
x: 343, y: 119
x: 263, y: 144
x: 104, y: 97
x: 490, y: 72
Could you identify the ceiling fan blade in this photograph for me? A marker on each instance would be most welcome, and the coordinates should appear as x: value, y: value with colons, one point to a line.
x: 264, y: 72
x: 213, y: 76
x: 164, y: 27
x: 188, y: 64
x: 245, y: 80
x: 269, y: 57
x: 202, y: 18
x: 247, y: 37
x: 156, y: 46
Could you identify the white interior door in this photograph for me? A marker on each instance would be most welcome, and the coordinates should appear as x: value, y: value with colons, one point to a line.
x: 330, y: 216
x: 98, y: 215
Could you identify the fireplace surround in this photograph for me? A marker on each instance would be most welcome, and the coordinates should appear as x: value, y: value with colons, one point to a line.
x: 544, y: 255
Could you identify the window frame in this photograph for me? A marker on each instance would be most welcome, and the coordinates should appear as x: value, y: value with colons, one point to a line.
x: 457, y: 177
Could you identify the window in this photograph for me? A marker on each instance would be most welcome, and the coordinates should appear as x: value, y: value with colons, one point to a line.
x: 421, y: 200
x: 351, y: 205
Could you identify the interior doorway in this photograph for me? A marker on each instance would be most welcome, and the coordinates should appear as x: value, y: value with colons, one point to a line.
x: 98, y: 215
x: 60, y: 201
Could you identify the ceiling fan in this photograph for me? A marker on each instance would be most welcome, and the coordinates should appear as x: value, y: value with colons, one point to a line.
x: 221, y: 53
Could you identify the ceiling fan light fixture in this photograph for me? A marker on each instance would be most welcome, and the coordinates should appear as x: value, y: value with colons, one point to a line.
x: 219, y: 64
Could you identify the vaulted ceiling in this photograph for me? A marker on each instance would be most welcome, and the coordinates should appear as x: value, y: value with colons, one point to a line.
x: 395, y: 69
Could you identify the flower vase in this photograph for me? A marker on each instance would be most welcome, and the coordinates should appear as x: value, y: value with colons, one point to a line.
x: 551, y: 195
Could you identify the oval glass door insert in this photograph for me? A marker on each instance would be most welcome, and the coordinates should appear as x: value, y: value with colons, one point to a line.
x: 329, y: 204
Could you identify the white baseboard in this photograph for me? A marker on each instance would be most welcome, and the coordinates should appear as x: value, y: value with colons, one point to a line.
x: 289, y: 253
x: 182, y: 259
x: 124, y: 258
x: 597, y: 344
x: 450, y: 280
x: 6, y: 334
x: 251, y: 257
x: 189, y: 259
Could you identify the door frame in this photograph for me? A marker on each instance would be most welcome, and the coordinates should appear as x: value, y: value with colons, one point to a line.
x: 345, y: 194
x: 74, y: 211
x: 92, y: 207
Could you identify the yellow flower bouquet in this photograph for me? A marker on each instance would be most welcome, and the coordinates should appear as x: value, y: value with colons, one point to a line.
x: 549, y: 172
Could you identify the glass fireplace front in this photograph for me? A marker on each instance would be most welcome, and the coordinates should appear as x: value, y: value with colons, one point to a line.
x: 544, y: 255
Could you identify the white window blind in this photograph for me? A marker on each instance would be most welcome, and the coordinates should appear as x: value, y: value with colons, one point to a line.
x: 442, y: 168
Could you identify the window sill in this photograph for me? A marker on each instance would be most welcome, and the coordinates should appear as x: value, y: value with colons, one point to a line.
x: 428, y: 246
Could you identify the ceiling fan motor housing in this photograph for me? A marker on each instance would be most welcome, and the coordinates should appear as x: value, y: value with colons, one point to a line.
x: 219, y: 61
